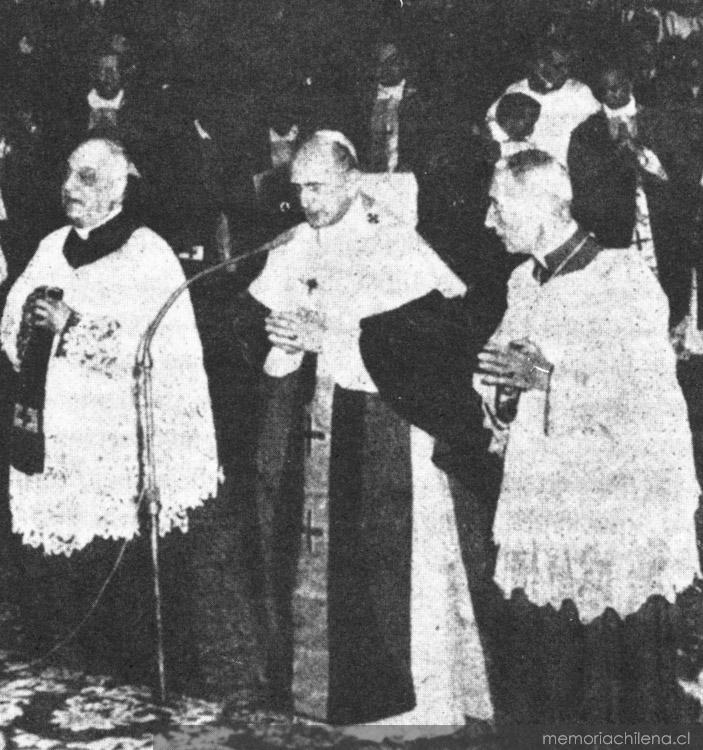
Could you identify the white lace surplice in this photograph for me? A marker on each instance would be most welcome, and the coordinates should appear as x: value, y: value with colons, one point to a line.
x: 92, y: 467
x: 599, y: 509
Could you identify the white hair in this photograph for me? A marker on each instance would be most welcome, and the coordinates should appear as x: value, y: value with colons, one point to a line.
x: 539, y: 171
x: 112, y: 161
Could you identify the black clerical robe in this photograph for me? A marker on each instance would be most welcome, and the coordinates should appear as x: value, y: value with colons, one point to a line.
x: 604, y: 179
x: 338, y: 630
x: 365, y: 647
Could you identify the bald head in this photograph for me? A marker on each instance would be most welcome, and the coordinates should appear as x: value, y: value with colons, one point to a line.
x: 325, y: 172
x: 530, y: 202
x: 95, y: 182
x: 536, y: 170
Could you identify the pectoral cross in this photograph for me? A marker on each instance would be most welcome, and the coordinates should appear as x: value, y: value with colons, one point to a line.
x: 311, y: 435
x: 640, y: 241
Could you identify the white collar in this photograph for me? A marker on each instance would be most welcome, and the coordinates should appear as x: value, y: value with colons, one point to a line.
x: 95, y: 101
x: 84, y: 232
x: 289, y: 137
x: 623, y: 113
x: 391, y: 92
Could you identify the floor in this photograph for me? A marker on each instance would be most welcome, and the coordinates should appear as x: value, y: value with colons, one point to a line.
x: 55, y: 708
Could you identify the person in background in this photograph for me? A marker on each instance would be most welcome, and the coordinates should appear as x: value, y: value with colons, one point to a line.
x: 106, y: 98
x: 645, y: 13
x: 565, y: 102
x: 396, y: 115
x: 517, y: 115
x: 276, y: 207
x: 683, y: 19
x: 114, y: 108
x: 635, y: 173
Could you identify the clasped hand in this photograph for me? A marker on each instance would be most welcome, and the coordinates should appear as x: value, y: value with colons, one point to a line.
x: 49, y: 314
x: 644, y: 157
x: 520, y: 366
x: 300, y: 331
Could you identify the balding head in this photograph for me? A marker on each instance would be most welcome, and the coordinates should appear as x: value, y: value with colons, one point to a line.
x: 530, y: 202
x: 325, y: 172
x: 538, y: 171
x: 95, y: 183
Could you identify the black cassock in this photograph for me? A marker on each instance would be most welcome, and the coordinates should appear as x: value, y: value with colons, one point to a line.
x: 344, y: 648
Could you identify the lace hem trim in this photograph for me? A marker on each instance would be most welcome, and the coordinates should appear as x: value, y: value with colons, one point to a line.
x: 623, y: 579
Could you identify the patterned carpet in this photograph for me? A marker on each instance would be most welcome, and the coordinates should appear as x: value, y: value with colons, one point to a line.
x: 57, y: 706
x: 54, y: 708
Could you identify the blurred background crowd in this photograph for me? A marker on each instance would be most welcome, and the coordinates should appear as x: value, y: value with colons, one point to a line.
x: 240, y: 69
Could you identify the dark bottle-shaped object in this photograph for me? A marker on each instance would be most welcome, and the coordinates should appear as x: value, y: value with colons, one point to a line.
x: 34, y: 346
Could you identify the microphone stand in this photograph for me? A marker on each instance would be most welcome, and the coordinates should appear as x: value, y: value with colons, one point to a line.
x: 145, y: 407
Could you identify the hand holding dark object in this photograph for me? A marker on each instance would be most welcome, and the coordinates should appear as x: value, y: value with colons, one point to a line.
x: 42, y: 314
x: 50, y: 314
x: 646, y: 160
x: 521, y: 365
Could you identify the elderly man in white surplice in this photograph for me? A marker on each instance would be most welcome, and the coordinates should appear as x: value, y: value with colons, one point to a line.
x: 596, y: 510
x: 71, y: 327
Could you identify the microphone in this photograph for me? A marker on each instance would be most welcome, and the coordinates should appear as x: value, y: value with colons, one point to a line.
x: 145, y: 407
x: 225, y: 265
